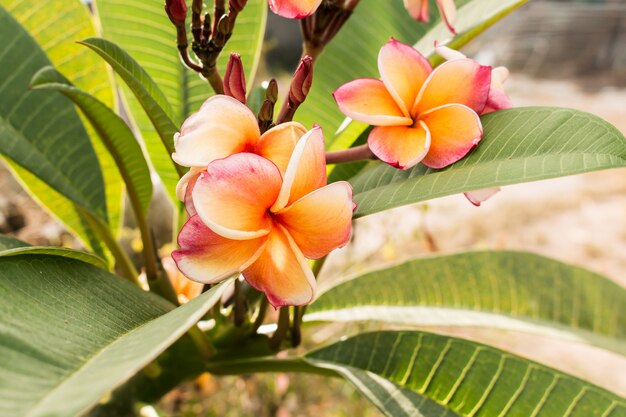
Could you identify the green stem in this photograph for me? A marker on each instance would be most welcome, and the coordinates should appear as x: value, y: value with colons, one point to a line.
x: 281, y: 331
x: 258, y: 321
x: 202, y: 342
x: 122, y: 261
x: 254, y: 365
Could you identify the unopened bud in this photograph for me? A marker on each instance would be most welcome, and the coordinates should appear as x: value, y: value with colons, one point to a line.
x: 266, y: 113
x: 237, y: 5
x: 176, y: 10
x: 302, y: 80
x: 235, y: 79
x: 272, y: 91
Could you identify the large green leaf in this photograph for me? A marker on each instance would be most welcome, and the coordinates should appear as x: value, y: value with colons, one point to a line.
x: 359, y: 41
x: 113, y: 131
x: 519, y: 145
x: 8, y: 242
x: 56, y: 251
x: 55, y: 30
x: 507, y: 290
x: 141, y: 28
x: 72, y: 332
x: 51, y: 144
x: 411, y: 373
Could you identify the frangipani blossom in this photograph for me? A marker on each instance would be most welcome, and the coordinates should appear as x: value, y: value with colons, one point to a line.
x: 418, y: 9
x: 497, y: 100
x: 420, y: 114
x: 252, y: 219
x: 294, y: 9
x: 222, y: 127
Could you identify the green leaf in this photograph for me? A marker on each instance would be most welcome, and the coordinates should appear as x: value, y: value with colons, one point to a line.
x: 104, y: 331
x: 55, y: 30
x: 8, y: 242
x: 359, y: 41
x: 51, y: 144
x: 142, y: 29
x: 55, y: 251
x: 507, y: 290
x: 518, y: 145
x: 411, y: 373
x: 113, y: 131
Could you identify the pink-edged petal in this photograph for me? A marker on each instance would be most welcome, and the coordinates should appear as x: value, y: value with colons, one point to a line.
x: 281, y: 271
x: 207, y: 257
x: 278, y: 143
x: 479, y: 196
x: 455, y: 130
x: 306, y: 171
x: 400, y: 146
x: 498, y: 100
x: 320, y: 221
x: 188, y: 199
x: 183, y: 183
x: 367, y: 100
x: 233, y: 196
x: 448, y: 53
x: 294, y: 9
x: 418, y: 9
x: 461, y: 81
x: 447, y: 9
x: 403, y: 70
x: 223, y: 126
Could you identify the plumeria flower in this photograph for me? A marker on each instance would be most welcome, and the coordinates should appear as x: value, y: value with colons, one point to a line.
x: 420, y: 114
x: 294, y: 9
x: 185, y: 288
x: 418, y: 9
x: 222, y: 127
x: 252, y: 219
x: 497, y: 100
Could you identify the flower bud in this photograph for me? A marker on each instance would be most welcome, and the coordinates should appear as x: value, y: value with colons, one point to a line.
x: 237, y: 5
x: 266, y: 113
x: 302, y: 80
x: 234, y: 79
x: 272, y: 91
x: 176, y: 10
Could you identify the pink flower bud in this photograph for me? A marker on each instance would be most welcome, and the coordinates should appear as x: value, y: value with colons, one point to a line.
x: 234, y: 79
x: 302, y: 80
x: 237, y: 5
x: 176, y: 10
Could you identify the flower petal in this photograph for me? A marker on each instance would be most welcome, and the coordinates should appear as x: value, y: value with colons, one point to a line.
x: 223, y: 126
x: 294, y: 9
x: 281, y: 271
x: 320, y: 221
x: 498, y: 100
x: 278, y: 143
x: 455, y: 130
x: 418, y: 9
x: 207, y: 257
x: 367, y: 100
x: 400, y: 146
x: 306, y: 170
x: 479, y: 196
x: 462, y: 81
x: 447, y: 9
x: 403, y: 70
x: 233, y: 196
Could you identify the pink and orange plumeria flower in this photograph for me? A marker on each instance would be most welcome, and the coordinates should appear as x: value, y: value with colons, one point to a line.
x: 222, y: 127
x: 252, y: 217
x: 420, y: 114
x: 294, y: 9
x: 418, y: 9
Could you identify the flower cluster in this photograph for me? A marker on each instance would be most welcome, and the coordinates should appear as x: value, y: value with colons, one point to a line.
x: 258, y: 203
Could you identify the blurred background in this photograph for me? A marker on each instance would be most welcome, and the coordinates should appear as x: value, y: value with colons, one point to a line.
x: 560, y: 53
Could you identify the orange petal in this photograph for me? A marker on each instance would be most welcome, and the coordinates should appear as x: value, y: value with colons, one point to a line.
x: 281, y: 271
x: 400, y: 146
x: 418, y: 9
x: 306, y: 170
x: 207, y: 257
x: 233, y: 196
x: 455, y: 130
x: 403, y: 70
x: 294, y: 9
x: 447, y: 9
x: 321, y: 221
x: 462, y: 81
x: 367, y: 100
x: 278, y: 143
x: 223, y: 126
